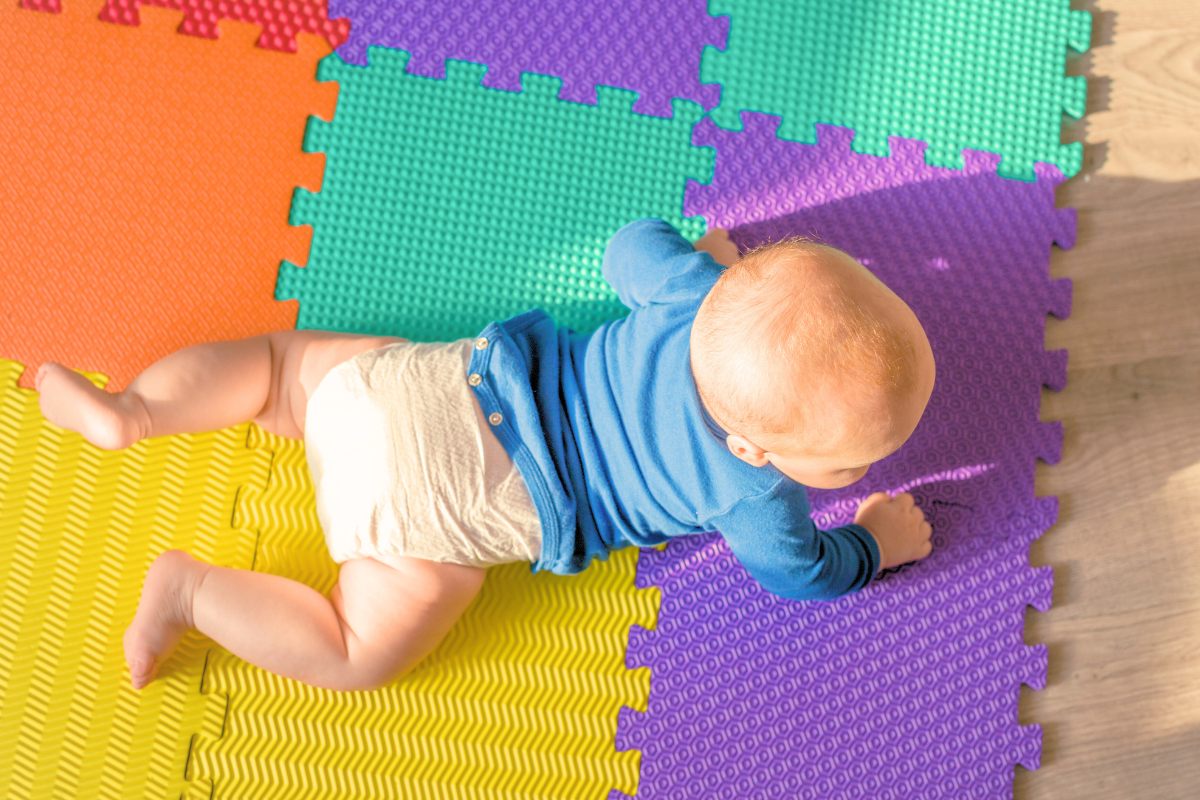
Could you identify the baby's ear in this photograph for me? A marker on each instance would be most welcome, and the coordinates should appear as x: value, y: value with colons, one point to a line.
x: 746, y: 450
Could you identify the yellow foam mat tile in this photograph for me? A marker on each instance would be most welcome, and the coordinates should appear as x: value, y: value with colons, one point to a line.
x: 78, y: 528
x: 519, y: 701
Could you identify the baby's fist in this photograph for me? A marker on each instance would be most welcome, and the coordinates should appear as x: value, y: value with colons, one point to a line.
x: 718, y: 245
x: 899, y: 528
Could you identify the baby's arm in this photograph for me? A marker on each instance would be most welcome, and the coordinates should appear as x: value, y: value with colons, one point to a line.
x: 899, y: 528
x: 718, y: 245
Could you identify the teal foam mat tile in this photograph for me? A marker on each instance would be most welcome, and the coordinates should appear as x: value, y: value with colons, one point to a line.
x: 447, y: 205
x: 980, y: 74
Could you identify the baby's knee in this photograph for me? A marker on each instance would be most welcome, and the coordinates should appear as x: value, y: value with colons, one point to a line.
x: 392, y: 616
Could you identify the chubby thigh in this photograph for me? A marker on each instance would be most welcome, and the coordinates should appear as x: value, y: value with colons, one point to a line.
x: 405, y: 465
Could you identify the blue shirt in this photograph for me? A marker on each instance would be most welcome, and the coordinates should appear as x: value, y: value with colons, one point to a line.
x: 616, y: 448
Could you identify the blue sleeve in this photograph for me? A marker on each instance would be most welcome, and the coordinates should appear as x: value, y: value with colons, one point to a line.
x: 774, y: 538
x: 648, y: 261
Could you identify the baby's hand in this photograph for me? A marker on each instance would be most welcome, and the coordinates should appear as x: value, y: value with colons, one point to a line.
x: 899, y: 528
x: 718, y: 245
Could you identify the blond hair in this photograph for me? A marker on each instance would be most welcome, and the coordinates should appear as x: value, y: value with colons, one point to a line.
x: 783, y: 322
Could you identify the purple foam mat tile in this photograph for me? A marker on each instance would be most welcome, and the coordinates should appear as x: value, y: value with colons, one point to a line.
x: 650, y: 46
x: 909, y: 688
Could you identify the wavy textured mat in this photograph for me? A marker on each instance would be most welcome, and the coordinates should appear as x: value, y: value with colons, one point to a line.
x: 519, y: 700
x: 146, y: 184
x: 910, y: 687
x: 650, y: 46
x: 78, y: 528
x: 965, y: 74
x: 447, y: 205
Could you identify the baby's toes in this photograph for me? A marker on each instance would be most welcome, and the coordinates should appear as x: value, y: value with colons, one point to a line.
x: 41, y: 373
x: 141, y: 673
x: 139, y: 657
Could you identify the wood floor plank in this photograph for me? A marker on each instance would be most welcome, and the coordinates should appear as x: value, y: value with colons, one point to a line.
x: 1121, y: 711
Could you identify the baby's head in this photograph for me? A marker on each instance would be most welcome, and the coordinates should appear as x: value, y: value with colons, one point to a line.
x: 810, y: 363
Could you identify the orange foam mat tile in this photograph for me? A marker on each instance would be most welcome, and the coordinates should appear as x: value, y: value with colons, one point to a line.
x: 78, y: 528
x: 145, y: 182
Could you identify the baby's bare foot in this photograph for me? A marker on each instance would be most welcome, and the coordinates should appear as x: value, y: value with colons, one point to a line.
x: 71, y: 401
x: 164, y: 614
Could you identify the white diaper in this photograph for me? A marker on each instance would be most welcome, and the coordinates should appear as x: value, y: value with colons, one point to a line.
x: 405, y: 464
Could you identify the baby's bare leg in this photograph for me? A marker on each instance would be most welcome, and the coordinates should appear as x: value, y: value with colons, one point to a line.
x: 205, y: 387
x: 378, y: 623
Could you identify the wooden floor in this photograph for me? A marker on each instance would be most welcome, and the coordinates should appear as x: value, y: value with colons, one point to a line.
x: 1121, y: 711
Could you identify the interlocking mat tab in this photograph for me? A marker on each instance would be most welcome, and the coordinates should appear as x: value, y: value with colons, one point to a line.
x: 440, y: 189
x: 650, y: 46
x: 962, y: 74
x: 146, y: 184
x: 908, y: 688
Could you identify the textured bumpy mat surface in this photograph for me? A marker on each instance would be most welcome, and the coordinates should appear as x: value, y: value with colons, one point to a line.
x: 908, y: 688
x: 280, y: 22
x: 147, y: 178
x: 652, y: 47
x: 78, y: 527
x: 519, y: 700
x: 146, y: 184
x: 960, y: 74
x: 150, y: 177
x: 447, y: 205
x: 982, y: 75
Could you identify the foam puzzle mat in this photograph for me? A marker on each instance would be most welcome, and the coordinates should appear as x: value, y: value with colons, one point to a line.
x: 519, y: 700
x: 908, y: 688
x: 962, y: 74
x: 980, y: 75
x: 78, y: 527
x: 501, y: 200
x: 652, y: 47
x: 441, y: 195
x: 146, y: 185
x: 280, y: 22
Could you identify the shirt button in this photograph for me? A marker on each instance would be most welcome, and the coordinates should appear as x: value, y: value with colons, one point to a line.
x: 474, y: 379
x: 481, y: 343
x: 495, y: 418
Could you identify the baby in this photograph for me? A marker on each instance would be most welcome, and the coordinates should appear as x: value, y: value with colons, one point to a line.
x: 710, y: 406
